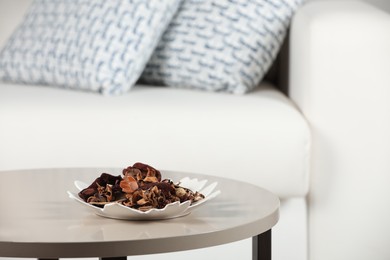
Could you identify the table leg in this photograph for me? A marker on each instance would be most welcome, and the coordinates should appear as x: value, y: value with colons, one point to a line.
x: 113, y: 258
x: 261, y: 246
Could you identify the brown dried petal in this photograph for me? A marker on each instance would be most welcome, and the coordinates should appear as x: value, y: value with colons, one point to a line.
x: 108, y: 193
x: 142, y: 201
x: 101, y: 181
x: 134, y: 172
x: 96, y: 198
x: 128, y: 184
x: 140, y: 188
x: 150, y: 179
x: 180, y: 192
x: 147, y: 170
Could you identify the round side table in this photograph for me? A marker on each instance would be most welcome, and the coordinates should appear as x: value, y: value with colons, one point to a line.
x: 39, y: 220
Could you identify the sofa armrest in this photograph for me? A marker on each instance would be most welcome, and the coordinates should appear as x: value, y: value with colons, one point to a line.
x: 340, y: 80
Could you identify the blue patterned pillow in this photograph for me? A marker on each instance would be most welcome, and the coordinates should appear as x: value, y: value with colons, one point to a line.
x: 220, y: 45
x: 99, y: 45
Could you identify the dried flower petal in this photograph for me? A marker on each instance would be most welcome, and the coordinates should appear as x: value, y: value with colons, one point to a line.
x: 140, y: 188
x: 98, y: 188
x: 128, y: 184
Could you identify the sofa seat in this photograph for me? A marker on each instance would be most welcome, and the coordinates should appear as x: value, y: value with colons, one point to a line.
x: 168, y: 128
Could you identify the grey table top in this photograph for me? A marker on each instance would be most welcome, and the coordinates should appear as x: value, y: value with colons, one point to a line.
x: 37, y: 218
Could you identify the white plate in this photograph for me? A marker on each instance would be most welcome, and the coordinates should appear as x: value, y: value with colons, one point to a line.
x: 172, y: 210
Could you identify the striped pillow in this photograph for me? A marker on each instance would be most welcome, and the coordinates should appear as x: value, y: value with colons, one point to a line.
x: 220, y: 45
x: 100, y: 45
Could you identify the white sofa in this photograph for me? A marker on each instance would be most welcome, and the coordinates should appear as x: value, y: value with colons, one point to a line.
x: 316, y: 133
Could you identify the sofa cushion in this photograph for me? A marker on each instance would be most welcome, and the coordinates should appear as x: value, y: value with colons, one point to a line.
x: 220, y: 45
x: 259, y: 137
x: 100, y: 46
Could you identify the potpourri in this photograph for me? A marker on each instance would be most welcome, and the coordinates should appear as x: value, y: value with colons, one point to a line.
x: 141, y: 187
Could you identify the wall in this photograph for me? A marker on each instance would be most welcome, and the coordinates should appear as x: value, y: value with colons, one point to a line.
x: 383, y: 4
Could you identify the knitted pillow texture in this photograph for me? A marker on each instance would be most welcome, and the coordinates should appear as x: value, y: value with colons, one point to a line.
x: 216, y: 45
x: 100, y: 45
